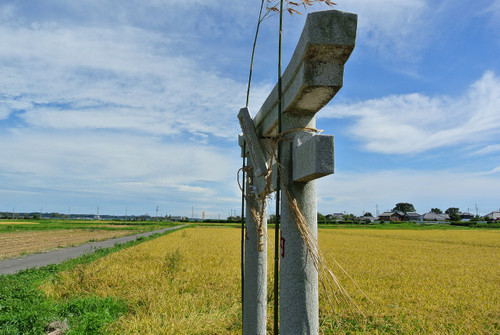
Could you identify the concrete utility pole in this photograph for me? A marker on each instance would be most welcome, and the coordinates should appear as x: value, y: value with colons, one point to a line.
x: 312, y: 78
x: 255, y: 290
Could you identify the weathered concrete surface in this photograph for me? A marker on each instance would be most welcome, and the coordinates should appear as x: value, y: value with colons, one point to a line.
x: 315, y: 72
x: 311, y: 79
x: 298, y: 277
x: 255, y: 290
x: 252, y: 142
x: 10, y: 266
x: 313, y: 158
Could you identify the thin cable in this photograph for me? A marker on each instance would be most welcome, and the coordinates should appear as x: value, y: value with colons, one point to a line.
x: 253, y: 51
x: 243, y: 235
x: 278, y: 188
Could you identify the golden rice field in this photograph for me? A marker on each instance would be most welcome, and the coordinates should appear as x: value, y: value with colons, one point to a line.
x: 420, y: 282
x: 13, y: 244
x: 16, y: 222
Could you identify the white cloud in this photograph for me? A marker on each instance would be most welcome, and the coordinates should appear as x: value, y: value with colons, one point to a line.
x: 395, y: 29
x: 4, y: 111
x: 115, y: 165
x: 414, y: 123
x: 404, y: 32
x: 494, y: 9
x: 493, y: 171
x: 122, y: 79
x: 488, y: 149
x: 116, y: 100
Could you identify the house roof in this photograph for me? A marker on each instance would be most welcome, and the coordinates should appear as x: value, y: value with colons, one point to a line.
x: 391, y: 215
x: 494, y: 215
x: 436, y: 217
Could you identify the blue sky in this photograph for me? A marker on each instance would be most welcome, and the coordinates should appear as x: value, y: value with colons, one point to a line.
x: 131, y: 105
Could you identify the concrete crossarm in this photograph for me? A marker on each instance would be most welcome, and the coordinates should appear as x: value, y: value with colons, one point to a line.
x: 315, y: 72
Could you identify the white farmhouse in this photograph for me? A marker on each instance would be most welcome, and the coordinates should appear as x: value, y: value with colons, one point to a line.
x: 495, y: 216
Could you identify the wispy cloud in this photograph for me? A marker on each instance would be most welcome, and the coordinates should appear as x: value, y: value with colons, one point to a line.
x: 488, y: 150
x: 397, y: 30
x: 136, y: 101
x: 121, y: 79
x: 124, y: 166
x: 493, y: 171
x: 414, y: 123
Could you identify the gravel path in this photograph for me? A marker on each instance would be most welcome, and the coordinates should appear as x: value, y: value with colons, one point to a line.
x: 14, y: 265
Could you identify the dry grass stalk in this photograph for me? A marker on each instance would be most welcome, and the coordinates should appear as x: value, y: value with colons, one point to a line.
x: 329, y: 282
x: 291, y: 6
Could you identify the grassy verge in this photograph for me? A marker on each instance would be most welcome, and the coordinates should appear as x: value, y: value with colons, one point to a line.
x: 24, y: 309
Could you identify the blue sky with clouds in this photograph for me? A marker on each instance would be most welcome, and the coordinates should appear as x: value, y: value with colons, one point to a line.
x: 132, y: 105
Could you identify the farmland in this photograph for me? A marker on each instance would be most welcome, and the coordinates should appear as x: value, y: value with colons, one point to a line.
x: 38, y: 241
x: 418, y: 281
x: 25, y: 237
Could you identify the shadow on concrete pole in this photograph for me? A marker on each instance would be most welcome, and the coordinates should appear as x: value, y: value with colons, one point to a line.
x: 299, y: 277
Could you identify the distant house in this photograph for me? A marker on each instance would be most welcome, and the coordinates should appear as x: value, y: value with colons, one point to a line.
x: 367, y: 218
x: 466, y: 216
x: 178, y: 218
x: 495, y: 216
x: 413, y: 216
x: 436, y: 217
x: 391, y: 216
x: 335, y: 216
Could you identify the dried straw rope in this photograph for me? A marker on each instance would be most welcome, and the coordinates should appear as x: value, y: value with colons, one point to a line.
x: 329, y: 282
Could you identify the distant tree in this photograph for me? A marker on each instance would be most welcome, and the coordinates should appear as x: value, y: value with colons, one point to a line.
x: 452, y: 210
x: 436, y: 210
x: 368, y: 214
x: 331, y: 218
x: 349, y: 218
x: 403, y: 207
x: 455, y: 217
x: 321, y: 218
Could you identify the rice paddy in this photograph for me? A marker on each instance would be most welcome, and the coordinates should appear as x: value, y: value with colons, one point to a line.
x: 420, y: 281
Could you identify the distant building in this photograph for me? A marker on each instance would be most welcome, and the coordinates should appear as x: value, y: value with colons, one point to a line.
x: 178, y: 218
x: 466, y: 216
x: 495, y: 216
x: 391, y: 216
x: 367, y: 218
x: 436, y: 217
x: 413, y: 216
x: 335, y: 216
